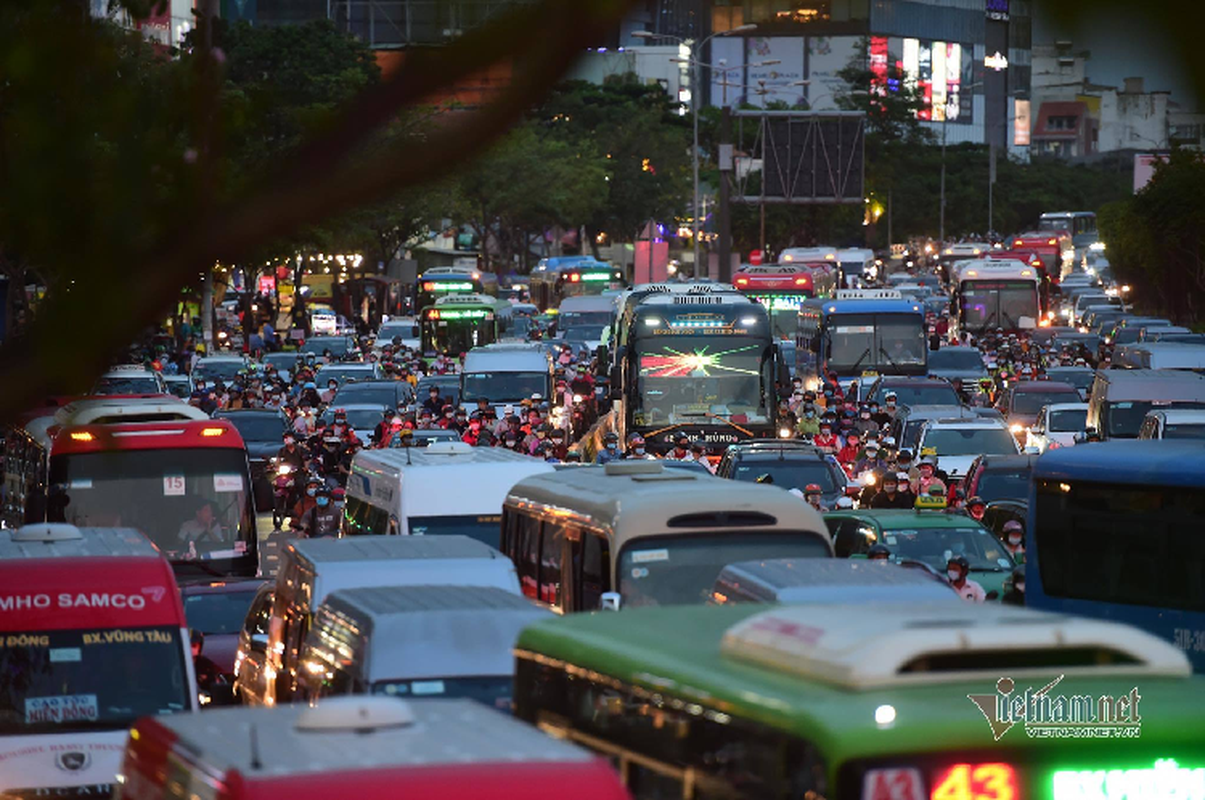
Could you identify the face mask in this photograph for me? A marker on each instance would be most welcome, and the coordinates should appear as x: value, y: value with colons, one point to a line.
x: 809, y: 414
x: 639, y: 451
x: 1021, y: 586
x: 311, y: 492
x: 953, y: 573
x: 612, y: 445
x: 324, y: 501
x: 865, y: 415
x: 1014, y: 538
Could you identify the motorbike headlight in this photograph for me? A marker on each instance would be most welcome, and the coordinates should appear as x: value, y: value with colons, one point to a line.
x: 577, y: 398
x: 784, y: 433
x: 1016, y: 427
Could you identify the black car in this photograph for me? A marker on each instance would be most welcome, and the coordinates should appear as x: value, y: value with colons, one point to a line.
x: 377, y: 393
x: 787, y: 464
x: 263, y: 432
x: 1000, y: 477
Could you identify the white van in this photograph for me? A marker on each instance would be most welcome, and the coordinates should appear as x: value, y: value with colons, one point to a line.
x: 857, y: 267
x: 310, y: 569
x: 417, y: 641
x: 445, y: 488
x: 506, y: 374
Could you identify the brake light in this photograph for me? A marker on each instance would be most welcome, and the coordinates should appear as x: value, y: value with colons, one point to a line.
x: 1018, y: 243
x: 211, y: 432
x: 804, y: 281
x: 742, y: 281
x: 1052, y: 241
x: 428, y: 286
x: 433, y: 314
x: 82, y: 436
x: 574, y: 277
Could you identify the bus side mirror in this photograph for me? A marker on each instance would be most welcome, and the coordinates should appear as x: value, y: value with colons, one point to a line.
x: 609, y: 601
x: 259, y: 642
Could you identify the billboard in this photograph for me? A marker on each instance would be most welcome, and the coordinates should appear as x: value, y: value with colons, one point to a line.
x: 1021, y: 122
x: 776, y: 79
x: 1144, y: 168
x: 728, y: 52
x: 807, y: 158
x: 827, y: 56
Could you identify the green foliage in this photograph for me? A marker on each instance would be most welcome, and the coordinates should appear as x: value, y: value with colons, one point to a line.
x: 643, y: 141
x: 1156, y: 239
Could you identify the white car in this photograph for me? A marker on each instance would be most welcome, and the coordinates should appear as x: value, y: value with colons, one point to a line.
x: 956, y: 443
x: 1057, y: 426
x: 324, y: 322
x: 1174, y: 423
x: 130, y: 379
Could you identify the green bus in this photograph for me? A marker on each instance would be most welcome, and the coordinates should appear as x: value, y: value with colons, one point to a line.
x: 946, y: 702
x: 457, y: 323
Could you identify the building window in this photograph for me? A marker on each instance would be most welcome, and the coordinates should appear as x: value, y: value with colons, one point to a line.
x: 725, y: 18
x: 1063, y: 123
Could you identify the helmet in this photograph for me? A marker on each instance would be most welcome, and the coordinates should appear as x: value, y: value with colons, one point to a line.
x: 960, y: 562
x: 611, y: 436
x: 975, y: 501
x: 845, y: 502
x: 635, y: 439
x: 1013, y: 525
x: 878, y: 551
x: 813, y: 488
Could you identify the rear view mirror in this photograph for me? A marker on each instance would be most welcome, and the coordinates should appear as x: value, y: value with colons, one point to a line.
x: 609, y: 601
x: 259, y: 642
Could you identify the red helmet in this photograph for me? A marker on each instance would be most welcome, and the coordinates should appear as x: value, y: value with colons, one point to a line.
x: 813, y: 488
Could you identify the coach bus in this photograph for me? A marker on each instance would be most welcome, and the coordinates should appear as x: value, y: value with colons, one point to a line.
x: 782, y: 288
x: 438, y: 282
x: 1079, y: 225
x: 880, y: 702
x: 638, y: 534
x: 701, y: 363
x: 1114, y: 532
x: 995, y: 294
x: 861, y: 332
x: 459, y: 322
x: 554, y: 279
x: 185, y: 484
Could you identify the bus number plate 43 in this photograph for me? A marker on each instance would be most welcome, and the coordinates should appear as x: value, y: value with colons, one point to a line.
x: 893, y: 784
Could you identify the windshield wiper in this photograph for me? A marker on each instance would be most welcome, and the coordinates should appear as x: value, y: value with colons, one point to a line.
x: 890, y: 360
x: 858, y: 363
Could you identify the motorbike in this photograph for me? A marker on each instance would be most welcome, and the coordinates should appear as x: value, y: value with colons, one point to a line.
x: 284, y: 485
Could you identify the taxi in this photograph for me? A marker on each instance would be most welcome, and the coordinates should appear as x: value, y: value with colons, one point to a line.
x: 928, y: 536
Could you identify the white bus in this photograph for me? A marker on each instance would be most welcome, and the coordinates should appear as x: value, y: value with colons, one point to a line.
x: 445, y: 488
x: 998, y: 294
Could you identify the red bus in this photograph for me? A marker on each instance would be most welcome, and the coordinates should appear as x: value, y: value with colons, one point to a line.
x: 185, y: 484
x: 782, y: 288
x: 375, y: 748
x: 1054, y: 248
x: 92, y: 637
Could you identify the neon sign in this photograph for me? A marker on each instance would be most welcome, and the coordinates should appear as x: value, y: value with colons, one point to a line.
x: 1166, y: 779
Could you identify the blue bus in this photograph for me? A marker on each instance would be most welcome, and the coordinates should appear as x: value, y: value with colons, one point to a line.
x: 1115, y: 532
x: 861, y: 332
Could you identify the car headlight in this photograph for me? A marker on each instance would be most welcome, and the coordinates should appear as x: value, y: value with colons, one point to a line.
x: 1016, y: 427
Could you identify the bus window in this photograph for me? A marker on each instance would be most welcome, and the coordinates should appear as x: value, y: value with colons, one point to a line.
x: 1121, y: 544
x: 528, y: 561
x: 592, y: 559
x: 551, y: 554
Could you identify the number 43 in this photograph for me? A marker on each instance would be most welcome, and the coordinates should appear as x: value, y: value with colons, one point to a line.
x: 976, y: 782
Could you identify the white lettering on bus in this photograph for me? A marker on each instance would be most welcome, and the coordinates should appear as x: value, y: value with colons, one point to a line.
x: 134, y: 602
x: 24, y: 602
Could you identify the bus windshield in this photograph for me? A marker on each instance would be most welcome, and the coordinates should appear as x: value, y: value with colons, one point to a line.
x: 875, y: 341
x: 1184, y: 430
x: 783, y: 310
x: 75, y: 680
x: 935, y: 547
x: 1121, y: 543
x: 482, y: 527
x: 992, y: 304
x: 504, y: 387
x: 677, y: 570
x: 573, y: 319
x: 491, y: 690
x: 456, y: 336
x: 1032, y: 402
x: 428, y: 291
x: 685, y: 380
x: 193, y: 503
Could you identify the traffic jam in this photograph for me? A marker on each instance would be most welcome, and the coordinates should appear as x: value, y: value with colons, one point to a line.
x: 880, y: 526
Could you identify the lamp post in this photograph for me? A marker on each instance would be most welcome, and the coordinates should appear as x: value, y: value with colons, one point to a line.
x: 694, y: 110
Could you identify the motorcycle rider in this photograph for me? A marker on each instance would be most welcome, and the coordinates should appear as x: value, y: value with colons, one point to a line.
x: 958, y: 569
x: 610, y: 451
x: 1014, y: 539
x: 322, y: 520
x: 889, y: 495
x: 975, y: 508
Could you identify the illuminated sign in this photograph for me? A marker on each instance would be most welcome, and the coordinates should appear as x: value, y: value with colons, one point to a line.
x: 674, y: 363
x: 779, y: 302
x: 473, y: 313
x: 997, y: 10
x: 996, y: 61
x: 599, y: 276
x: 440, y: 286
x: 1165, y: 779
x: 979, y: 781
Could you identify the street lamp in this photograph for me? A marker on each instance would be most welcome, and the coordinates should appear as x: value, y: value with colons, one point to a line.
x: 694, y: 108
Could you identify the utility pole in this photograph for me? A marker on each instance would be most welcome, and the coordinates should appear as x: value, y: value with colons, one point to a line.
x: 941, y: 230
x: 725, y: 221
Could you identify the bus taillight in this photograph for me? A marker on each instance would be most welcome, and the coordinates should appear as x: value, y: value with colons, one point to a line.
x: 574, y: 277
